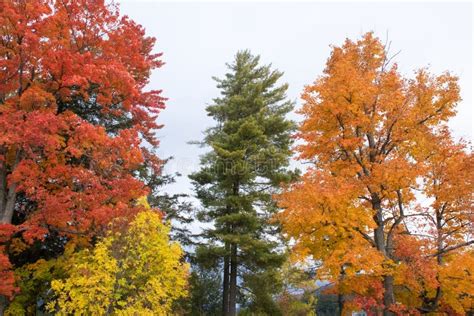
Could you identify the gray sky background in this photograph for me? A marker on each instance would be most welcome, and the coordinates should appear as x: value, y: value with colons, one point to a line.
x: 197, y: 39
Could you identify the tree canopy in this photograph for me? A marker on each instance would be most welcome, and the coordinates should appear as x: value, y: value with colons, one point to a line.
x: 379, y: 148
x: 132, y: 272
x: 381, y: 221
x: 249, y: 159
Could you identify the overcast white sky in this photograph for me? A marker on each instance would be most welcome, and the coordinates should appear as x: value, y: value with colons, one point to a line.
x: 197, y: 39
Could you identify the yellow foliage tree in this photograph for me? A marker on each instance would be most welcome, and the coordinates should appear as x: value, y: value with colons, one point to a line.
x: 136, y: 272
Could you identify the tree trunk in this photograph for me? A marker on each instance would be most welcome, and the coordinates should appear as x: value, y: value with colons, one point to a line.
x: 3, y: 186
x: 225, y: 285
x: 431, y: 304
x: 7, y: 192
x: 340, y: 297
x: 6, y: 214
x: 340, y: 304
x: 388, y: 295
x: 379, y: 238
x: 233, y: 281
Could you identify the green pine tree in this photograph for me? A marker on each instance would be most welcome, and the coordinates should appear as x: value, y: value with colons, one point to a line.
x: 249, y: 160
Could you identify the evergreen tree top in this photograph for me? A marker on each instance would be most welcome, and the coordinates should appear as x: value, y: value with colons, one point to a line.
x: 252, y: 136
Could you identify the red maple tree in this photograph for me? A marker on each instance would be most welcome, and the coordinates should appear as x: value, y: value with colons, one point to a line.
x: 74, y: 118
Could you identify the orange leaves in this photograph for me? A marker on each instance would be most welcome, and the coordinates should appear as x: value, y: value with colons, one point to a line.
x: 361, y: 101
x: 434, y: 98
x: 36, y: 98
x: 367, y: 295
x: 327, y: 222
x: 457, y: 277
x: 416, y: 271
x: 380, y: 147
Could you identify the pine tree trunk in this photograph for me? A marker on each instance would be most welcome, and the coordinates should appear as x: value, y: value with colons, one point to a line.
x: 225, y: 285
x: 233, y: 281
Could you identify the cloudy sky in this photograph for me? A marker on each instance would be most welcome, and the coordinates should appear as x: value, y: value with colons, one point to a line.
x: 197, y: 39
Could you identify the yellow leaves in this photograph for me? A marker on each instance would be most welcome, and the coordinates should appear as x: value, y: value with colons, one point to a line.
x: 138, y: 312
x: 34, y: 280
x: 91, y: 275
x: 138, y: 272
x: 457, y: 278
x: 142, y: 201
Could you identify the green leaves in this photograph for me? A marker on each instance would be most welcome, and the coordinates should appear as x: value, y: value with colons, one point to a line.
x: 250, y: 148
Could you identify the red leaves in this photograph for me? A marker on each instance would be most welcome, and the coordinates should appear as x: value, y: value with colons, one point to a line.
x: 70, y: 68
x: 82, y: 50
x: 36, y: 98
x: 7, y: 279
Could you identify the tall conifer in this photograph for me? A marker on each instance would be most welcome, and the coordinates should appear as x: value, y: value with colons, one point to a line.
x: 249, y: 159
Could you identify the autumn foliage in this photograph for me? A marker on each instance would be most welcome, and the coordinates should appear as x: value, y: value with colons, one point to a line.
x: 383, y: 213
x: 135, y: 271
x: 386, y: 205
x: 74, y: 116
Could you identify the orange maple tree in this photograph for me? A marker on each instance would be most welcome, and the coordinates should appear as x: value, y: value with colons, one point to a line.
x: 448, y: 184
x: 378, y: 149
x: 74, y: 117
